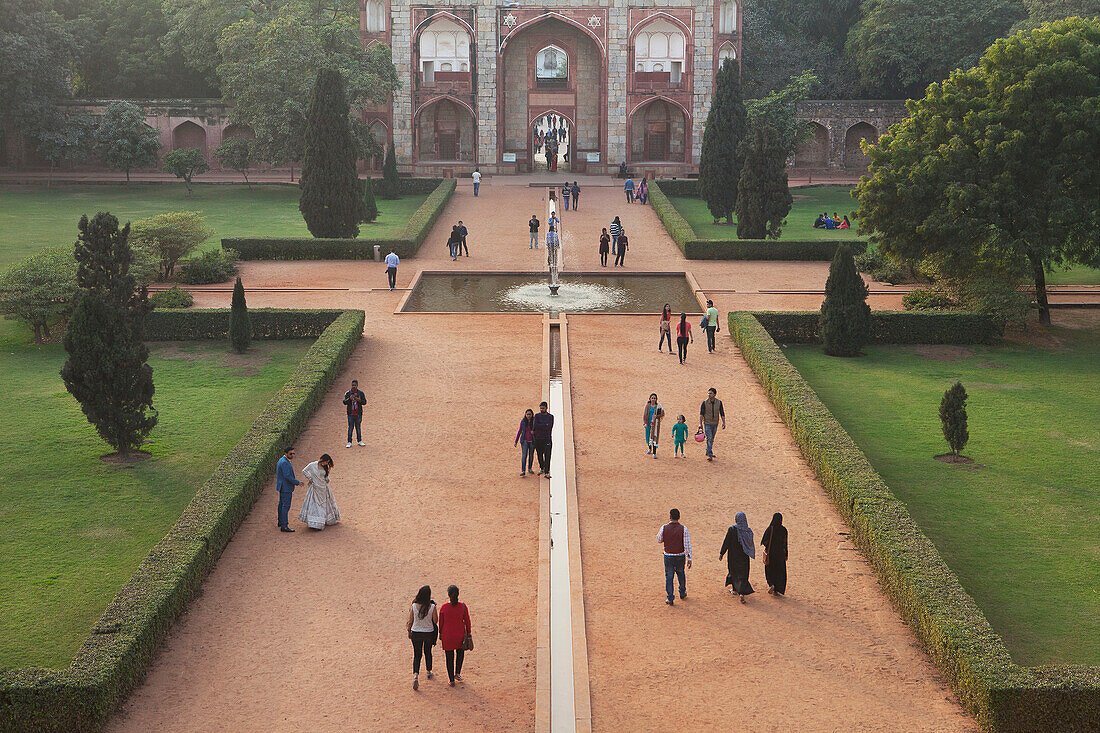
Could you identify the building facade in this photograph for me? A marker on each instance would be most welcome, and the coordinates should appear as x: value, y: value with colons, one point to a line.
x: 630, y: 82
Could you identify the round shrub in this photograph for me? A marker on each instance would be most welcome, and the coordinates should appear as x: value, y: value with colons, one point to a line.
x: 923, y: 299
x: 215, y: 266
x: 173, y: 297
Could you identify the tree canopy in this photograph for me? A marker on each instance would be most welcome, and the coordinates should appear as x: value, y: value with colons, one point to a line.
x: 123, y: 140
x: 721, y: 156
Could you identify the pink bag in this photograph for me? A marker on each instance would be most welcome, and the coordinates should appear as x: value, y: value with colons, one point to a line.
x: 700, y: 436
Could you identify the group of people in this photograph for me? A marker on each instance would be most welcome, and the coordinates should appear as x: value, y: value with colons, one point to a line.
x: 613, y: 238
x: 570, y: 192
x: 711, y: 414
x: 639, y: 193
x: 551, y: 140
x: 684, y: 336
x: 456, y: 242
x: 448, y: 625
x: 824, y: 221
x: 319, y: 507
x: 738, y: 548
x: 535, y: 439
x: 552, y: 226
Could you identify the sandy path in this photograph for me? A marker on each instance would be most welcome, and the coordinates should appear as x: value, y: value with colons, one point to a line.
x: 306, y: 630
x: 832, y: 655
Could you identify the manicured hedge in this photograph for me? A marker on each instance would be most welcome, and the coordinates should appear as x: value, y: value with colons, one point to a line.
x: 890, y: 327
x: 307, y: 248
x: 679, y: 186
x: 121, y: 645
x: 675, y: 224
x: 953, y: 630
x: 213, y: 323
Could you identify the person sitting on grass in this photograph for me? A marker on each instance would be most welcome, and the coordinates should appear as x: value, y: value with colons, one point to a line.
x: 819, y: 222
x: 845, y: 224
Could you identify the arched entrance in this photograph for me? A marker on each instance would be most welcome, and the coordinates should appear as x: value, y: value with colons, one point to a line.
x: 854, y: 157
x: 445, y: 132
x: 658, y: 133
x: 551, y: 140
x: 188, y: 135
x: 813, y: 152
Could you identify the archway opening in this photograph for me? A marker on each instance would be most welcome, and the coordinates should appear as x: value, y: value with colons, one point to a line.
x: 854, y: 157
x: 551, y: 139
x: 445, y: 132
x: 189, y: 135
x: 813, y: 152
x: 657, y: 133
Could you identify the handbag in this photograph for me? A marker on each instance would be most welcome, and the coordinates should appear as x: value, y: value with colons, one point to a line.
x: 700, y: 436
x: 468, y: 642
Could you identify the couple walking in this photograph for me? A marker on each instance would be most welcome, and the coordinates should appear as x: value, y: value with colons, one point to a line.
x: 319, y: 507
x: 448, y: 624
x: 683, y: 333
x: 534, y: 438
x: 456, y: 242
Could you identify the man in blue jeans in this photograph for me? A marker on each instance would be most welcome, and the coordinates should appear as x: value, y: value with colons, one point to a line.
x: 710, y: 412
x: 354, y: 399
x: 284, y: 484
x: 677, y: 545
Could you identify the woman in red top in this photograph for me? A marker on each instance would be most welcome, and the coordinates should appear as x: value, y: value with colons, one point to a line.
x: 666, y: 328
x: 683, y: 335
x: 454, y: 625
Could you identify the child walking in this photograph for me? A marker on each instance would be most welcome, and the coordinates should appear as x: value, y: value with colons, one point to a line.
x: 679, y: 436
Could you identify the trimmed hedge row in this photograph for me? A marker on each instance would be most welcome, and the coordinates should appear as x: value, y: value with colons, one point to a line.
x: 889, y: 327
x: 308, y: 248
x: 679, y: 186
x: 121, y: 645
x: 268, y: 324
x: 675, y: 223
x: 956, y: 634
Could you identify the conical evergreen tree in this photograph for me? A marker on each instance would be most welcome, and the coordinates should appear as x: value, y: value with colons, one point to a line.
x: 763, y: 197
x: 721, y: 158
x: 331, y: 200
x: 953, y: 418
x: 370, y: 206
x: 240, y: 328
x: 845, y: 315
x: 106, y: 370
x: 390, y: 187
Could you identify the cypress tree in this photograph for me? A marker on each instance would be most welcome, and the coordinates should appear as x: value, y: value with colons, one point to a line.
x: 845, y: 315
x: 331, y: 201
x: 106, y: 370
x: 240, y: 329
x: 763, y: 196
x: 953, y: 418
x: 370, y: 206
x: 390, y: 186
x: 721, y: 158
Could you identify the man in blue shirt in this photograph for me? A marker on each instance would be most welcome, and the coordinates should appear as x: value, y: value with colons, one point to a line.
x: 392, y: 261
x: 284, y: 484
x: 543, y: 427
x: 629, y: 188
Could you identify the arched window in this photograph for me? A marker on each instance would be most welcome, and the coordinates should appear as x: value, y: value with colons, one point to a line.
x: 552, y: 68
x: 726, y: 52
x: 375, y: 16
x: 660, y: 48
x: 444, y: 47
x: 727, y: 17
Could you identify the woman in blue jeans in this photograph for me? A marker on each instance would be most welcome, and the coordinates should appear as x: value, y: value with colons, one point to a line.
x: 525, y: 438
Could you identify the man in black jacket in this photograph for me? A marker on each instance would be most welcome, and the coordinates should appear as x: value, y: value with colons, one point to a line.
x: 355, y: 399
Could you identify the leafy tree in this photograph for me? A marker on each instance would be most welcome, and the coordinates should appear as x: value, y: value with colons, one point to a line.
x: 779, y: 110
x: 390, y: 183
x: 63, y: 137
x: 185, y: 164
x: 106, y: 370
x: 40, y: 291
x: 720, y: 159
x: 845, y: 315
x: 370, y: 206
x: 240, y: 330
x: 1044, y: 11
x: 997, y: 168
x: 170, y: 237
x: 763, y: 197
x: 953, y: 418
x: 194, y: 27
x: 331, y: 201
x: 124, y: 141
x: 237, y: 153
x: 900, y: 46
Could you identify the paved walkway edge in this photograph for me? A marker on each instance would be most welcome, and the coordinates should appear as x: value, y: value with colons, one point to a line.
x: 542, y: 619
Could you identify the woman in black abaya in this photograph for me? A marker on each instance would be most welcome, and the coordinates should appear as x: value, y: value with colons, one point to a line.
x: 739, y: 546
x: 774, y: 541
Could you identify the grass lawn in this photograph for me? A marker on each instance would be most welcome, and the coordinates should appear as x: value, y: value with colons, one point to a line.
x: 75, y: 528
x: 808, y: 203
x: 1020, y: 533
x: 1077, y: 275
x: 35, y: 217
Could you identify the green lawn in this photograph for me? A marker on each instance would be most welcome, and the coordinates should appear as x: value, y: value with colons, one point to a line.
x: 34, y: 217
x: 1077, y: 275
x: 75, y: 528
x: 808, y: 203
x: 1021, y: 532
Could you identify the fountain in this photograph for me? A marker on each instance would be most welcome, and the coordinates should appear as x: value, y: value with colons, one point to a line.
x: 553, y: 244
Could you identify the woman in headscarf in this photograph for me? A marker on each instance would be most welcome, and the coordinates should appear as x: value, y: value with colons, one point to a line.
x: 740, y: 547
x: 774, y: 541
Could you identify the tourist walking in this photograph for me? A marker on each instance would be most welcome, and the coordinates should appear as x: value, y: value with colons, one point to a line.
x: 453, y: 242
x: 628, y: 187
x: 354, y: 399
x: 423, y: 627
x: 616, y: 230
x: 710, y: 412
x: 652, y: 414
x: 643, y: 191
x: 463, y: 232
x: 285, y: 482
x: 712, y: 325
x: 534, y: 226
x: 624, y: 244
x: 392, y: 261
x: 683, y: 336
x: 525, y: 439
x: 454, y: 633
x: 543, y: 428
x: 738, y: 549
x: 677, y: 546
x: 565, y: 193
x: 319, y: 507
x: 679, y: 436
x: 665, y: 327
x: 605, y: 245
x: 576, y: 190
x: 774, y: 542
x: 476, y: 176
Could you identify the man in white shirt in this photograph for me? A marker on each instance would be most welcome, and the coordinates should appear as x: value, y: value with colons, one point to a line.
x: 476, y: 175
x: 677, y: 546
x: 392, y: 261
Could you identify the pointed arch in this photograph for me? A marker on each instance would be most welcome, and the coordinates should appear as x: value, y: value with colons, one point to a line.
x: 547, y: 16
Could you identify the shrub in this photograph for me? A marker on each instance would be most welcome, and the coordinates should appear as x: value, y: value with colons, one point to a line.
x: 889, y: 327
x: 953, y: 418
x: 173, y: 297
x: 370, y: 206
x: 869, y: 260
x: 40, y: 291
x: 845, y: 315
x: 750, y: 249
x: 185, y: 164
x: 240, y: 331
x: 675, y: 224
x: 995, y: 296
x: 679, y: 186
x: 923, y: 299
x: 169, y: 238
x: 215, y: 266
x: 391, y: 186
x: 268, y: 324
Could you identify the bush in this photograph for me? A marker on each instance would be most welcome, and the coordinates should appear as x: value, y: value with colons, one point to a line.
x: 997, y: 297
x: 889, y: 327
x: 240, y: 330
x: 123, y: 642
x: 173, y: 297
x: 679, y: 186
x: 953, y: 418
x: 675, y: 224
x: 845, y: 315
x: 869, y: 260
x: 750, y: 249
x: 215, y: 266
x: 923, y: 299
x: 370, y: 206
x: 40, y: 291
x: 268, y: 324
x: 169, y: 237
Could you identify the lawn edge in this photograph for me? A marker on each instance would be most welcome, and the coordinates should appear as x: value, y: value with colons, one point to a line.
x: 116, y: 655
x: 1002, y: 695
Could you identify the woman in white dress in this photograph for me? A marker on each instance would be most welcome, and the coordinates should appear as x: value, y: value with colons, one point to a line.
x: 319, y: 507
